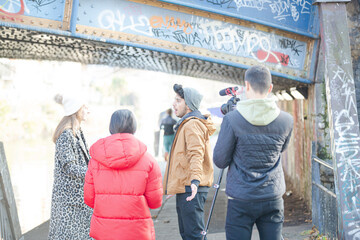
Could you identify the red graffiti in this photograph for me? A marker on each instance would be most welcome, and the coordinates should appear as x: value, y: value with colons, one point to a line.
x: 273, y: 57
x: 20, y: 12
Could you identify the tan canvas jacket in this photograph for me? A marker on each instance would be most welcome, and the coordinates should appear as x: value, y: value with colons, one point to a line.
x: 190, y: 156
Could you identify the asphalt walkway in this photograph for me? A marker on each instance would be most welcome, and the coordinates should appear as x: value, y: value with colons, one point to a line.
x: 165, y: 222
x: 165, y: 219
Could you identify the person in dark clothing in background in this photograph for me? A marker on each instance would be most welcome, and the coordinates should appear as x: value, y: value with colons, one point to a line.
x: 168, y: 125
x: 250, y: 143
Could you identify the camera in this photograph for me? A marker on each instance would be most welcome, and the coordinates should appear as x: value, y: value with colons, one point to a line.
x: 231, y: 103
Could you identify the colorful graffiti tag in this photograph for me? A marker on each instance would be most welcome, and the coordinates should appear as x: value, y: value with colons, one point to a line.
x: 47, y: 9
x: 191, y: 30
x: 293, y: 14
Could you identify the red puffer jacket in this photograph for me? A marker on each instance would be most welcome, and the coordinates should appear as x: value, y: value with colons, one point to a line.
x: 121, y: 183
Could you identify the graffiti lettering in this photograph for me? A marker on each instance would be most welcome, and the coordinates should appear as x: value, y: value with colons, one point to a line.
x: 161, y: 33
x: 257, y: 4
x: 190, y: 39
x: 122, y: 22
x: 291, y: 44
x: 281, y: 9
x: 347, y: 148
x: 219, y: 2
x: 170, y: 22
x: 207, y: 33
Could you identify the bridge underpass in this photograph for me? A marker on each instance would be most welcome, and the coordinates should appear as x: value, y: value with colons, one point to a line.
x: 28, y: 44
x: 216, y: 40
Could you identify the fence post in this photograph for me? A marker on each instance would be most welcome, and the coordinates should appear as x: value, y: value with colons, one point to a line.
x: 9, y: 221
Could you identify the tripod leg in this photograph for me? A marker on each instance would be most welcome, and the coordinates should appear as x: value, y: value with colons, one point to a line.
x: 216, y: 186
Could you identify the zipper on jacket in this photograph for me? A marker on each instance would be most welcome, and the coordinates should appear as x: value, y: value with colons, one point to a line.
x: 168, y: 169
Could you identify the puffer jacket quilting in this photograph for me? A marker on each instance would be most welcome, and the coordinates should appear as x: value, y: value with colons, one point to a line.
x: 121, y: 183
x: 255, y: 169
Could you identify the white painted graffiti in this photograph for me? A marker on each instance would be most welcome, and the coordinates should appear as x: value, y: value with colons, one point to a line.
x: 257, y: 4
x: 282, y: 9
x: 249, y: 43
x: 232, y: 39
x: 207, y: 33
x: 117, y: 21
x: 347, y: 147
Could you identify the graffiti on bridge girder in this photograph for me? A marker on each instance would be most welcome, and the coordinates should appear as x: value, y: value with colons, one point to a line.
x: 12, y: 8
x: 281, y: 9
x: 199, y: 32
x: 48, y: 9
x: 295, y: 15
x: 170, y: 22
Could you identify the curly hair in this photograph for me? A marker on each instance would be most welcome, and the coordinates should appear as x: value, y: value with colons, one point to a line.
x: 179, y: 90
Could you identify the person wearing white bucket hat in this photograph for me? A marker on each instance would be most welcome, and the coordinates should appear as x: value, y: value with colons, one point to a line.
x: 70, y: 217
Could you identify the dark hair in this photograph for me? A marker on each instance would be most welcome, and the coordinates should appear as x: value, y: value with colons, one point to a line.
x: 169, y: 111
x: 179, y: 90
x: 122, y: 121
x: 259, y: 78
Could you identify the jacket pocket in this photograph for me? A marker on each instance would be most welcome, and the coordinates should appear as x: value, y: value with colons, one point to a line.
x: 181, y: 168
x: 183, y: 162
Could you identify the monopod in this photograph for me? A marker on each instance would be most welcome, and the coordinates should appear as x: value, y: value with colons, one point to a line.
x: 216, y: 186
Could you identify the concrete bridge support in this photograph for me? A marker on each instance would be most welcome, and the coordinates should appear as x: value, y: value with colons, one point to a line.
x: 343, y: 116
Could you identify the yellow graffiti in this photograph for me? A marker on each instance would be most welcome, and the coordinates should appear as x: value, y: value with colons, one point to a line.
x: 170, y: 22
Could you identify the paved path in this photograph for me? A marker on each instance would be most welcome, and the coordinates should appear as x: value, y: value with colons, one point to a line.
x: 166, y: 224
x: 165, y: 219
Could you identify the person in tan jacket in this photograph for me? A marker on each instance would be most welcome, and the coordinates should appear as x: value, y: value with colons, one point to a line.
x: 189, y: 172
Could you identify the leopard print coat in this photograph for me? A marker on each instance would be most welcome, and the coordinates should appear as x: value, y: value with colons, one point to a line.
x: 70, y: 217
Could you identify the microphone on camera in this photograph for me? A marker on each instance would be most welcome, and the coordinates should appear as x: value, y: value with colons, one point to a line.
x: 228, y: 91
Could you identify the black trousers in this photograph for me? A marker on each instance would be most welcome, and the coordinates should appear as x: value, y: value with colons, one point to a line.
x: 267, y: 215
x: 191, y: 215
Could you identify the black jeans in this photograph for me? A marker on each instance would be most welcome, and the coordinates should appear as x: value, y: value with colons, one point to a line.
x: 191, y: 215
x: 267, y: 215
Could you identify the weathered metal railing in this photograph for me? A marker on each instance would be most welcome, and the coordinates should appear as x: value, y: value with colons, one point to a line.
x: 324, y: 210
x: 9, y: 221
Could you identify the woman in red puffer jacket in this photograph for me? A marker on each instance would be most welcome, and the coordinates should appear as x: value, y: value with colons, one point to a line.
x: 121, y: 183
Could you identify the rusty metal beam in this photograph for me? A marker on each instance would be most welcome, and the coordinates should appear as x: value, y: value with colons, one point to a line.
x: 343, y: 116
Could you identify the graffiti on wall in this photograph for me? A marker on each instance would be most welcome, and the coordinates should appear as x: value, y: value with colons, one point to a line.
x: 295, y: 14
x: 190, y: 30
x: 347, y: 147
x: 345, y: 126
x: 47, y: 9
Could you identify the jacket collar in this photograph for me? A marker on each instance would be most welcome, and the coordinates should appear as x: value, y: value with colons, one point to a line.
x: 192, y: 114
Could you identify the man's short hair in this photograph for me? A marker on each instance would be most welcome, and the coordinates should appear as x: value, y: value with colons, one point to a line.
x: 259, y: 78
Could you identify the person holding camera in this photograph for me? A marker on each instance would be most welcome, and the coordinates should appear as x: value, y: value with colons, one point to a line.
x: 189, y: 171
x: 250, y: 143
